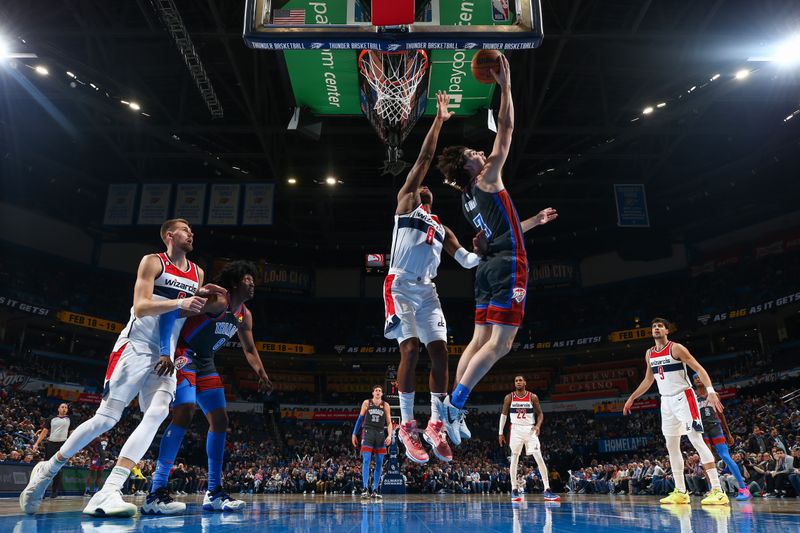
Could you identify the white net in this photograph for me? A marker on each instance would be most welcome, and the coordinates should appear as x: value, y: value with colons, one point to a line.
x: 394, y: 76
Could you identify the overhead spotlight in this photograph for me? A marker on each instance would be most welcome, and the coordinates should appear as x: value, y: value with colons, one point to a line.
x: 742, y: 74
x: 41, y: 69
x: 715, y: 77
x: 291, y: 181
x: 70, y: 74
x: 662, y: 104
x: 134, y: 106
x: 330, y: 180
x: 647, y: 110
x: 4, y: 51
x: 788, y: 53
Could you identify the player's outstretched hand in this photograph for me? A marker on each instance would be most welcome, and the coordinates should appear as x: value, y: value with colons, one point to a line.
x: 355, y: 442
x: 502, y: 440
x: 193, y: 305
x: 626, y: 410
x: 713, y: 399
x: 442, y: 99
x: 546, y: 215
x: 479, y: 243
x: 503, y: 74
x: 264, y: 384
x: 164, y: 367
x: 209, y: 288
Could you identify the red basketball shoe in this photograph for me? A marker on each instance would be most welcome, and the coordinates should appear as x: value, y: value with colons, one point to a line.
x: 435, y: 436
x: 409, y: 436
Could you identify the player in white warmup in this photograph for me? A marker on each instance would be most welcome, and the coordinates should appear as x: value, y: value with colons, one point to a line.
x: 165, y: 283
x: 526, y: 424
x: 680, y: 415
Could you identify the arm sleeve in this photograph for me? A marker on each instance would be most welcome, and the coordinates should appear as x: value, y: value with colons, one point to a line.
x: 502, y: 427
x: 357, y: 427
x: 166, y: 323
x: 466, y: 259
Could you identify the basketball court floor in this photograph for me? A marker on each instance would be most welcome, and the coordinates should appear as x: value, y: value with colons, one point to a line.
x: 425, y: 514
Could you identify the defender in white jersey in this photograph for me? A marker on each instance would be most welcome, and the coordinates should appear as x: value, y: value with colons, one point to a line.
x: 522, y: 408
x: 165, y: 283
x: 666, y: 364
x: 413, y: 312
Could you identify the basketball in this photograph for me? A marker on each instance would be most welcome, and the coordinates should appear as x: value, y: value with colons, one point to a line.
x: 483, y: 63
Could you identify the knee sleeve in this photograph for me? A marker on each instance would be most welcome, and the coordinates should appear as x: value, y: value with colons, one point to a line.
x: 105, y: 418
x: 142, y: 437
x: 697, y: 441
x: 111, y: 409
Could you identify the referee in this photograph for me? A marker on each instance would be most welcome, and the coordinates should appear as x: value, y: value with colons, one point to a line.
x: 56, y: 435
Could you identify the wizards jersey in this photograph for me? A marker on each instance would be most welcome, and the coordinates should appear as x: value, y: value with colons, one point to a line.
x: 417, y: 242
x: 521, y: 411
x: 671, y: 375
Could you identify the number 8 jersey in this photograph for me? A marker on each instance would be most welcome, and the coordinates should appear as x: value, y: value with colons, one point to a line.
x: 417, y: 242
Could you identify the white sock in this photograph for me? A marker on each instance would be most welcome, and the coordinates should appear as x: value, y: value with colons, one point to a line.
x: 513, y: 470
x: 713, y: 476
x: 435, y: 405
x: 406, y: 406
x: 537, y: 454
x: 54, y: 465
x: 116, y: 479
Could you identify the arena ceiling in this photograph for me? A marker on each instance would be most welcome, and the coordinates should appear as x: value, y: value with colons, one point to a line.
x: 715, y: 157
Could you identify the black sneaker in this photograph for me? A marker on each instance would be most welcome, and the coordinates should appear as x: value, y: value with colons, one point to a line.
x: 365, y: 494
x: 376, y: 496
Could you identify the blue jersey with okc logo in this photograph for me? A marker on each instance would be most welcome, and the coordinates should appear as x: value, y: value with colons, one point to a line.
x: 201, y: 337
x: 495, y: 214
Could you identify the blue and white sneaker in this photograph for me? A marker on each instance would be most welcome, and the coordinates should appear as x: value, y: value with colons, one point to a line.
x: 219, y: 500
x: 451, y: 418
x: 463, y: 430
x: 161, y: 503
x: 550, y: 497
x: 516, y: 496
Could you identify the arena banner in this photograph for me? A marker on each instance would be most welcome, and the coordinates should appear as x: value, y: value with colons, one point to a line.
x: 586, y: 386
x: 558, y: 344
x: 13, y: 303
x: 14, y: 477
x: 631, y: 205
x: 640, y: 404
x: 86, y: 321
x: 320, y: 413
x: 276, y: 347
x: 223, y: 208
x: 626, y: 335
x: 154, y: 203
x: 553, y: 275
x: 769, y: 305
x: 11, y: 380
x: 276, y: 278
x: 627, y: 444
x: 611, y: 373
x: 190, y: 202
x: 119, y: 204
x: 259, y: 200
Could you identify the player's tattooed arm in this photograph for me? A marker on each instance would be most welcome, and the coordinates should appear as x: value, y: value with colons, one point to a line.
x: 245, y: 332
x: 646, y: 383
x: 408, y: 197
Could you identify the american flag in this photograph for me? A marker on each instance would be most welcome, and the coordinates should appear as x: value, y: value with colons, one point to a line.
x: 289, y: 17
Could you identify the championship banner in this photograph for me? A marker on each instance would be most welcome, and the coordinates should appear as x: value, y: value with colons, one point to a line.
x: 13, y: 303
x: 154, y: 203
x: 86, y: 321
x: 190, y: 202
x: 769, y: 305
x: 223, y: 208
x: 119, y: 204
x: 627, y: 444
x: 259, y: 199
x: 631, y: 205
x: 552, y: 275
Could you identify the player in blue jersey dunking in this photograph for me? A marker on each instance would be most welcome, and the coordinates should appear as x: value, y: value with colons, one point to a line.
x: 502, y: 276
x: 716, y: 432
x: 199, y: 383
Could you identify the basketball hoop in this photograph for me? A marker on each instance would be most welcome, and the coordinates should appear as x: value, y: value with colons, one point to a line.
x: 394, y: 76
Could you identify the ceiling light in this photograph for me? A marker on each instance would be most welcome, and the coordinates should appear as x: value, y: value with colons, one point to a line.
x: 41, y: 70
x: 715, y: 77
x: 742, y: 74
x: 70, y: 74
x: 135, y: 106
x: 662, y: 104
x: 330, y: 180
x: 4, y: 52
x: 647, y: 110
x: 788, y: 53
x: 291, y: 181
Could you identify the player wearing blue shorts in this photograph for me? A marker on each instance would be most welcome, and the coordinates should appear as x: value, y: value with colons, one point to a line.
x: 200, y: 384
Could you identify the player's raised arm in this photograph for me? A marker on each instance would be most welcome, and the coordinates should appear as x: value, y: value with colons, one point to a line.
x: 646, y: 383
x: 143, y: 302
x: 462, y: 256
x: 541, y: 218
x: 408, y: 196
x: 680, y: 353
x: 245, y: 332
x: 505, y: 126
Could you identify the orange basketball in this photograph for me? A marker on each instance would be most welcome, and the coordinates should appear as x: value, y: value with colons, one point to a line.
x: 483, y: 63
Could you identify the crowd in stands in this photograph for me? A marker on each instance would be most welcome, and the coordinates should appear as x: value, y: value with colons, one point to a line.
x: 304, y: 456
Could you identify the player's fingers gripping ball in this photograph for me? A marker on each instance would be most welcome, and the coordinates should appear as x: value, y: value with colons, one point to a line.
x: 483, y: 63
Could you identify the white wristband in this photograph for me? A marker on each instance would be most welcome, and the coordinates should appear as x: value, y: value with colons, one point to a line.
x: 503, y: 419
x: 179, y: 301
x: 711, y: 390
x: 466, y: 259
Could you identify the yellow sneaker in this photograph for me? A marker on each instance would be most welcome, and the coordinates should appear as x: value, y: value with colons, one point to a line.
x: 137, y: 472
x: 715, y: 497
x: 676, y: 497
